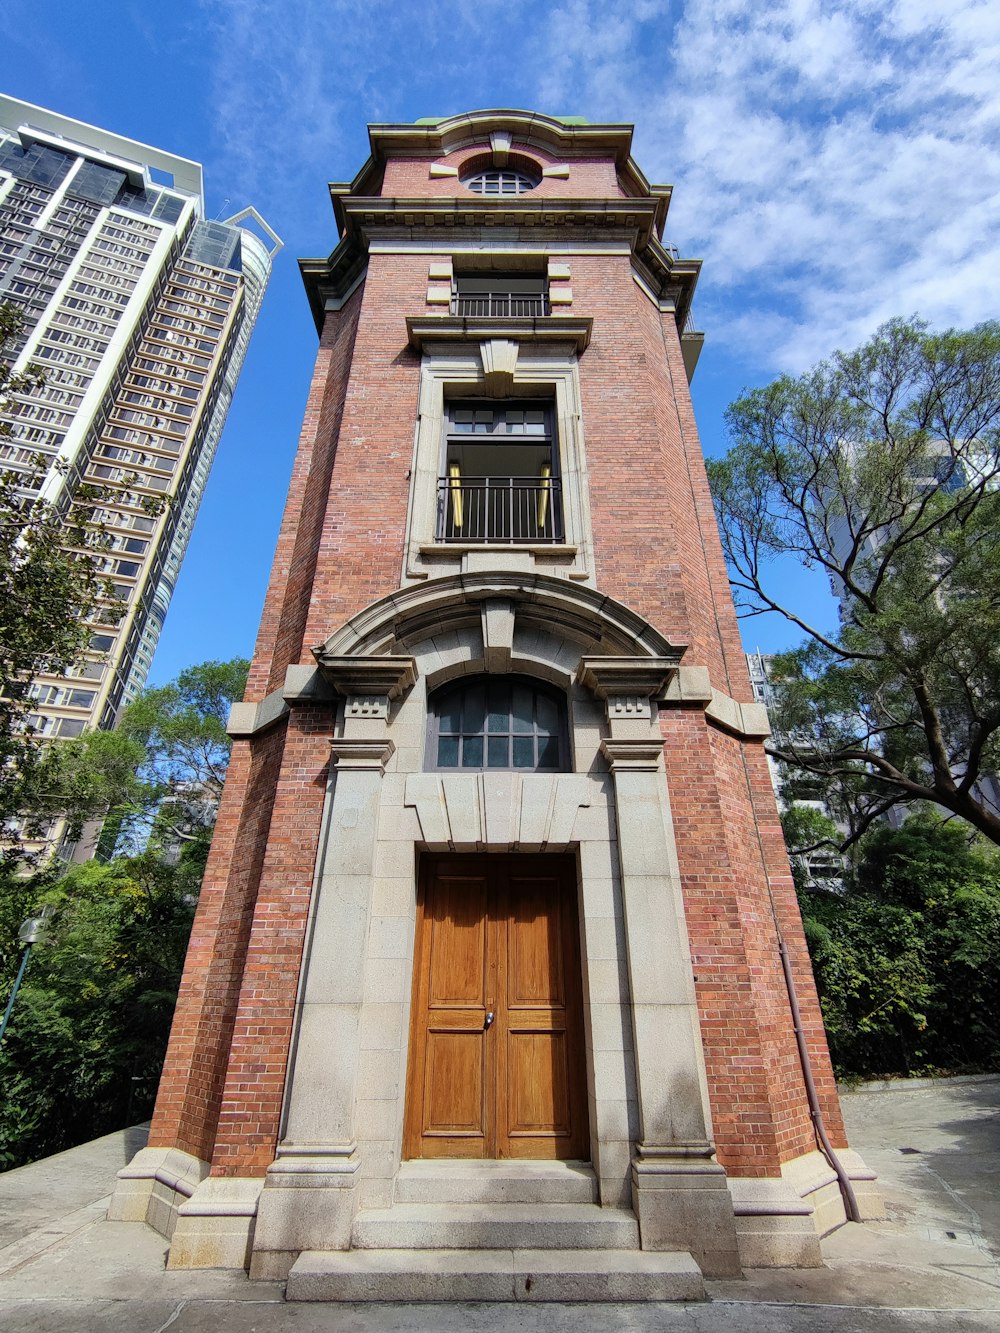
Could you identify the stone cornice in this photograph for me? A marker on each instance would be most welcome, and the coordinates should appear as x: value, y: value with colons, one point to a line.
x: 633, y: 754
x: 360, y: 217
x: 330, y: 282
x: 365, y: 213
x: 426, y: 329
x: 362, y: 753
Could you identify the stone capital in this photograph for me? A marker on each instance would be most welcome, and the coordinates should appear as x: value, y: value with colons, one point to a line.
x: 636, y: 677
x: 368, y: 677
x: 633, y: 754
x: 362, y: 753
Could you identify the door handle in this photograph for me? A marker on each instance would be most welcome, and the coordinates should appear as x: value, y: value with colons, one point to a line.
x: 489, y: 1019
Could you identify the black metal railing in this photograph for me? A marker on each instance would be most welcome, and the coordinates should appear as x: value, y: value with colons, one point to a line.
x: 501, y: 305
x: 499, y: 509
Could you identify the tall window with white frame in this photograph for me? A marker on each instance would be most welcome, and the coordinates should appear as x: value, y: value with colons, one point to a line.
x: 500, y: 481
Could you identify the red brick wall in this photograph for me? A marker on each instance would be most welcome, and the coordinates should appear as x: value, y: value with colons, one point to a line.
x: 189, y: 1097
x: 410, y: 178
x: 647, y: 474
x: 360, y: 551
x: 280, y: 637
x: 187, y: 1106
x: 255, y: 1078
x: 759, y: 1111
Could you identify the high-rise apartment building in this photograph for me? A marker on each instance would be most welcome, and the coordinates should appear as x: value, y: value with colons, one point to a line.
x: 139, y: 310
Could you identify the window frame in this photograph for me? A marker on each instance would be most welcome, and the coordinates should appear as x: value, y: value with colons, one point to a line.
x: 523, y: 181
x: 510, y: 682
x: 456, y: 370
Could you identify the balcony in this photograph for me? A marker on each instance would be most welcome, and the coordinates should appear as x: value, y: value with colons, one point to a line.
x: 500, y: 305
x: 499, y: 510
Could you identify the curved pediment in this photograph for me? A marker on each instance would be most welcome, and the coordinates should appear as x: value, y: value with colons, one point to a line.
x: 499, y: 607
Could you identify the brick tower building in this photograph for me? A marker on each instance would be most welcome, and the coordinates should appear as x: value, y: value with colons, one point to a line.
x: 497, y: 954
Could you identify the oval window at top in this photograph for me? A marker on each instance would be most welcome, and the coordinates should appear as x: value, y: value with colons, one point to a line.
x: 500, y: 182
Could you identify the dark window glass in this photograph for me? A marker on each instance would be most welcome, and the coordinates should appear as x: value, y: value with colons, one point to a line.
x: 500, y: 182
x: 215, y: 243
x: 97, y: 183
x: 448, y: 752
x: 500, y: 722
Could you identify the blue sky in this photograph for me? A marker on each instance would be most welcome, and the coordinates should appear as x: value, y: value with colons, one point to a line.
x: 833, y: 165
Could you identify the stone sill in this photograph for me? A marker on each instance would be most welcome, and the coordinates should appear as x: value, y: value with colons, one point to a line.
x: 426, y: 329
x: 444, y: 550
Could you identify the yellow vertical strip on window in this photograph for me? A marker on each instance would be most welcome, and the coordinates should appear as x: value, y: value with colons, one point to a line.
x: 455, y: 486
x: 543, y: 496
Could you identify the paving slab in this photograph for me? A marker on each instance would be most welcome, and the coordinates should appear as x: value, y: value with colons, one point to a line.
x: 934, y: 1264
x: 46, y: 1192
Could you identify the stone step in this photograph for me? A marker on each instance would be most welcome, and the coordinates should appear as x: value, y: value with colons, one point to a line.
x: 494, y: 1275
x: 490, y: 1226
x: 495, y: 1182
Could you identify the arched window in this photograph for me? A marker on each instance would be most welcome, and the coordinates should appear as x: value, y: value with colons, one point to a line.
x: 500, y: 182
x: 499, y: 722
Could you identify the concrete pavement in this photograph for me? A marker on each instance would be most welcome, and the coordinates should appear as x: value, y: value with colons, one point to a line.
x: 934, y: 1264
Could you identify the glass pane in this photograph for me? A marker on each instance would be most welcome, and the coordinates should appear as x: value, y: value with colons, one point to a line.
x: 547, y: 714
x: 498, y: 752
x: 449, y: 712
x: 524, y: 752
x: 472, y: 752
x: 447, y: 752
x: 475, y: 709
x: 499, y: 711
x: 548, y: 752
x: 522, y: 710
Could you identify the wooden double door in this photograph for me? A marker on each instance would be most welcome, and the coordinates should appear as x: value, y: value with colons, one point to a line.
x: 497, y: 1064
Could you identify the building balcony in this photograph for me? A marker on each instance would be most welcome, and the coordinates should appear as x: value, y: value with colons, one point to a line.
x: 501, y: 510
x: 500, y: 305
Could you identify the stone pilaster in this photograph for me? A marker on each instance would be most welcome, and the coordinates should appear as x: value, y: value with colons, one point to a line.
x: 310, y: 1194
x: 679, y: 1190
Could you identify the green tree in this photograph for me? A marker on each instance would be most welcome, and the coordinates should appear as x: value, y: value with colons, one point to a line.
x: 880, y: 468
x: 908, y: 961
x: 156, y: 779
x: 89, y: 1030
x: 87, y: 1037
x: 181, y: 729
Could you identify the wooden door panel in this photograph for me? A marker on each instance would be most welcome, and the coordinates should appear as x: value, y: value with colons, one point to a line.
x: 534, y: 940
x: 541, y: 1072
x: 538, y: 1085
x: 454, y: 1085
x: 448, y: 1112
x: 497, y: 934
x: 457, y: 954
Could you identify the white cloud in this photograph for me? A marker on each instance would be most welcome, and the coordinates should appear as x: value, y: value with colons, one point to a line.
x: 833, y: 166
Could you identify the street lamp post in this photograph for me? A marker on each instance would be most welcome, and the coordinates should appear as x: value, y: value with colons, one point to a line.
x: 30, y: 933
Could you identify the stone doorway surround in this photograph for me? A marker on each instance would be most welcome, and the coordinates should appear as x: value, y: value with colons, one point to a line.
x: 339, y: 1151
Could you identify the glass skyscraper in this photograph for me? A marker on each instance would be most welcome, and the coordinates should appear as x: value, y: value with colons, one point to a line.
x: 139, y: 310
